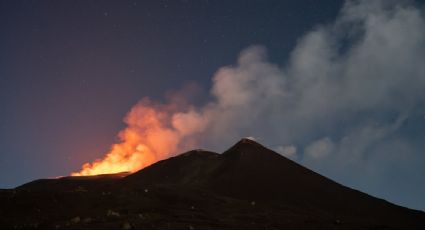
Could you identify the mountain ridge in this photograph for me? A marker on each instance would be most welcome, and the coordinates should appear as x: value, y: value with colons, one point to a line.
x: 246, y: 183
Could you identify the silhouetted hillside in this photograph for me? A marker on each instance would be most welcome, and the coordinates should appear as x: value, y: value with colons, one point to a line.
x: 246, y: 187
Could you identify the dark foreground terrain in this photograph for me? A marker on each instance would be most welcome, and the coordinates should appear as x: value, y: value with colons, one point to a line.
x: 246, y: 187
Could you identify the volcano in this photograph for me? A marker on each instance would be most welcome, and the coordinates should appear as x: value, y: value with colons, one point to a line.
x: 246, y: 187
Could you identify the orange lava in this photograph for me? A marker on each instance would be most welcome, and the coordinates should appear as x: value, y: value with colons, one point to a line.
x: 148, y: 138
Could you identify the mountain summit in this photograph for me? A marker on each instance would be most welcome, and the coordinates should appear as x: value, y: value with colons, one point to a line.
x: 247, y: 187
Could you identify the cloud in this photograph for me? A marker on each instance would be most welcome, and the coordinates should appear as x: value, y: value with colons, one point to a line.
x: 369, y: 61
x: 320, y: 148
x: 366, y: 67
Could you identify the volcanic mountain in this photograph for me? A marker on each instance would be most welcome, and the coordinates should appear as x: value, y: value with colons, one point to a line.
x: 246, y: 187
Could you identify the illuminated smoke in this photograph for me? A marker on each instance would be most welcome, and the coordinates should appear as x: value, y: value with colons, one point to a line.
x: 153, y: 132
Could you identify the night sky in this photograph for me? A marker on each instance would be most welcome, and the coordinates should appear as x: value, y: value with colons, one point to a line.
x: 71, y: 70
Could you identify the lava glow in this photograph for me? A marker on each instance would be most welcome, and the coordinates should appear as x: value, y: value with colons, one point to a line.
x: 152, y: 134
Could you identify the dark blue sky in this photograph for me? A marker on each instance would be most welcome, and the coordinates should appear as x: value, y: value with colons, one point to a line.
x: 71, y: 70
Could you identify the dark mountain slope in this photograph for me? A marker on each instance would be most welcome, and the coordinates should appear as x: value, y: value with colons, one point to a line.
x: 188, y: 169
x: 72, y: 182
x: 249, y: 171
x: 246, y: 187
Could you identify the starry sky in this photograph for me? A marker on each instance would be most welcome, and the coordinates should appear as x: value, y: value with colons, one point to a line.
x: 71, y: 70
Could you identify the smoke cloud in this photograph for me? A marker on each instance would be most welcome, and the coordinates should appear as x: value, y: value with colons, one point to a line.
x: 342, y: 104
x: 320, y: 148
